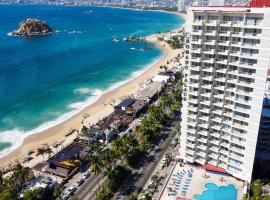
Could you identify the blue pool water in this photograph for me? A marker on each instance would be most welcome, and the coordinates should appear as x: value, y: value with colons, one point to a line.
x: 44, y: 80
x: 214, y: 192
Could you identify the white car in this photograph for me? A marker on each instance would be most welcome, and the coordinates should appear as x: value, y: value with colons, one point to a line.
x: 71, y: 190
x: 85, y: 175
x: 64, y: 197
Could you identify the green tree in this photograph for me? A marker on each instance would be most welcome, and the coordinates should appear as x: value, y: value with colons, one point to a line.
x: 41, y: 151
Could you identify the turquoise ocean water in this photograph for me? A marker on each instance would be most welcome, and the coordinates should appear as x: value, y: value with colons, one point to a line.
x: 46, y: 79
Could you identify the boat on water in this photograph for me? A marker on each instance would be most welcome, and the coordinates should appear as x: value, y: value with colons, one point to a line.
x: 115, y: 40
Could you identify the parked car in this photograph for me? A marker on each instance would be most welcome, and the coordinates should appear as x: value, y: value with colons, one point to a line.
x: 80, y: 181
x: 85, y: 175
x: 71, y: 190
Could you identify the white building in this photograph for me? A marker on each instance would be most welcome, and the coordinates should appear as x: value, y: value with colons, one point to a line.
x: 181, y: 6
x: 226, y: 62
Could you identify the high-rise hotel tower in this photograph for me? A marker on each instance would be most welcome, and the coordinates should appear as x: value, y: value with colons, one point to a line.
x: 227, y: 55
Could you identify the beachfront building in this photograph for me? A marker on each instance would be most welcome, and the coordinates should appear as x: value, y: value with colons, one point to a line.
x: 226, y: 62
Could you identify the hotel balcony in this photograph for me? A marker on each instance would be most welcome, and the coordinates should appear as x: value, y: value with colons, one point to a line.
x: 209, y: 51
x: 235, y: 53
x: 198, y: 22
x: 222, y: 165
x: 196, y: 50
x: 193, y: 101
x: 208, y: 60
x: 194, y: 76
x: 211, y: 23
x: 190, y: 152
x: 208, y: 69
x: 229, y: 106
x: 228, y: 114
x: 225, y: 137
x: 219, y: 96
x: 223, y: 43
x: 196, y: 59
x: 205, y: 110
x: 202, y: 147
x: 213, y: 155
x: 218, y: 112
x: 215, y: 134
x: 202, y: 125
x: 235, y: 44
x: 213, y: 162
x: 194, y: 93
x: 192, y: 123
x: 242, y: 101
x: 223, y: 52
x: 206, y: 86
x: 195, y: 85
x: 201, y: 154
x: 221, y: 79
x: 233, y: 155
x: 207, y: 78
x: 222, y: 61
x: 192, y: 116
x: 207, y: 103
x: 216, y: 127
x: 227, y: 145
x: 202, y: 140
x: 251, y: 45
x: 210, y: 32
x: 204, y: 118
x: 204, y: 133
x: 224, y: 33
x: 231, y: 89
x: 200, y: 161
x: 236, y: 125
x: 191, y: 138
x: 251, y: 35
x: 237, y: 149
x: 195, y: 68
x: 189, y: 159
x: 206, y: 94
x: 191, y: 131
x: 210, y: 42
x: 218, y: 104
x: 220, y: 87
x: 193, y: 108
x: 237, y: 141
x: 216, y: 142
x: 224, y: 152
x: 217, y: 119
x: 213, y: 148
x: 196, y: 32
x: 232, y: 81
x: 227, y: 122
x: 190, y: 145
x: 196, y: 41
x: 245, y: 83
x: 226, y: 23
x: 237, y: 34
x: 223, y: 158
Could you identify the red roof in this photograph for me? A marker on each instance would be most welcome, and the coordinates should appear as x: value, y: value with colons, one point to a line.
x: 214, y: 168
x: 260, y: 3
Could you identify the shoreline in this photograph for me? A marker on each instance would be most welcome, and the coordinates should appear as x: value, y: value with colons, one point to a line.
x: 98, y: 109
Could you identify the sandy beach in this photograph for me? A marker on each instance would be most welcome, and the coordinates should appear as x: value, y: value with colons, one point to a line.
x: 96, y: 111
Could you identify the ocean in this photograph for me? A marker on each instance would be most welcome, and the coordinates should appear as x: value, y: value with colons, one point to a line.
x: 46, y: 79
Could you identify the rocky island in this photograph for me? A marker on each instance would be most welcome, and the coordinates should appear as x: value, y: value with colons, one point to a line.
x: 30, y: 27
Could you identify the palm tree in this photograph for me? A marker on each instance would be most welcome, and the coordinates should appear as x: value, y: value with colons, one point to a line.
x: 49, y: 151
x: 20, y: 175
x: 41, y: 151
x: 96, y: 166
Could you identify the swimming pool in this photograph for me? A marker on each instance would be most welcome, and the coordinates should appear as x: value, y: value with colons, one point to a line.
x: 214, y: 192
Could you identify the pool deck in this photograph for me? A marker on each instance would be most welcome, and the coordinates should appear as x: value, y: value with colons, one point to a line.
x: 197, y: 183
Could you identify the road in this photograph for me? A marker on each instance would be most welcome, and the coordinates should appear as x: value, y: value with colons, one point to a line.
x: 138, y: 179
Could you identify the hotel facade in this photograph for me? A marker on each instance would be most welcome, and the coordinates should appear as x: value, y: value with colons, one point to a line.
x: 227, y: 51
